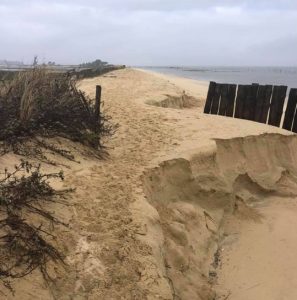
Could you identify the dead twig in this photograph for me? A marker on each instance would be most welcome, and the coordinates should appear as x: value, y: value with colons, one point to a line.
x: 24, y: 246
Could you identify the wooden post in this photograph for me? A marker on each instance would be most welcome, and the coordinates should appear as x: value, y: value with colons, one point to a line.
x: 250, y: 101
x: 250, y: 105
x: 209, y: 99
x: 97, y: 108
x: 290, y: 111
x: 231, y: 100
x: 240, y: 101
x: 277, y: 104
x: 259, y: 103
x: 263, y: 103
x: 246, y: 108
x: 266, y: 104
x: 216, y: 100
x: 294, y: 127
x: 224, y: 99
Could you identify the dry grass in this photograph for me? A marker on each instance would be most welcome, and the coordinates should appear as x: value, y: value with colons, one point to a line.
x: 38, y: 103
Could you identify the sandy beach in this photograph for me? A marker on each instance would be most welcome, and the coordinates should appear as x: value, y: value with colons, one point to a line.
x: 186, y: 205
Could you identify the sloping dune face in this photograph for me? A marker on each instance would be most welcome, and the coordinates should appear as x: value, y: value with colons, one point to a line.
x: 217, y: 212
x: 268, y: 161
x: 179, y: 101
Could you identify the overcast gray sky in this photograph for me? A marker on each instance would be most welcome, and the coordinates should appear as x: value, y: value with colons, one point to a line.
x: 151, y: 32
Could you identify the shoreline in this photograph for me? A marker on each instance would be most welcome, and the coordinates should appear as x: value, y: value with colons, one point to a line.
x: 191, y: 85
x: 236, y: 75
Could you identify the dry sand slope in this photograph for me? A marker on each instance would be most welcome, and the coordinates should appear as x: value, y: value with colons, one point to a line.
x: 173, y: 213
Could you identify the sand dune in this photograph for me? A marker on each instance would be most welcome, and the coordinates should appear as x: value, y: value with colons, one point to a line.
x: 185, y: 204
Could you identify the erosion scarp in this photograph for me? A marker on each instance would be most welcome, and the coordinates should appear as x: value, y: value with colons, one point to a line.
x: 201, y: 199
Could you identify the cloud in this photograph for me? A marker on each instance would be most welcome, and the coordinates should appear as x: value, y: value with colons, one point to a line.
x: 150, y: 32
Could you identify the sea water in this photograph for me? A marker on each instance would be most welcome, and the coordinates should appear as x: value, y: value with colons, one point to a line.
x: 237, y: 75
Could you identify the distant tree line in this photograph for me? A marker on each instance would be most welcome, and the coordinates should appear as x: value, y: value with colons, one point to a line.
x: 96, y: 64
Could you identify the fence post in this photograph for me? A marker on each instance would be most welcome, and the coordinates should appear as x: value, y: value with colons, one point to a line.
x: 290, y: 111
x: 251, y: 102
x: 231, y: 99
x: 240, y: 101
x: 216, y: 100
x: 224, y: 99
x: 97, y: 108
x: 277, y: 104
x: 209, y: 99
x: 263, y: 103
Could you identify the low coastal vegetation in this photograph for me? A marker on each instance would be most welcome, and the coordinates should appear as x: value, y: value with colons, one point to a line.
x: 8, y: 70
x: 37, y: 105
x: 25, y: 225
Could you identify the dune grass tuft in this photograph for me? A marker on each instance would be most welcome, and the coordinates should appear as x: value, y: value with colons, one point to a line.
x: 38, y: 103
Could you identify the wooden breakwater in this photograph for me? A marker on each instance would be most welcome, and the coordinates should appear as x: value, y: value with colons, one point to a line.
x: 255, y: 102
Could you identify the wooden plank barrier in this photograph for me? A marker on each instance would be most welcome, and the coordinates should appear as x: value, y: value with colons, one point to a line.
x: 263, y: 103
x: 277, y: 104
x: 209, y: 99
x: 231, y: 100
x: 224, y: 99
x: 294, y: 128
x: 290, y: 111
x: 260, y: 103
x: 240, y: 101
x: 250, y: 102
x: 216, y: 100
